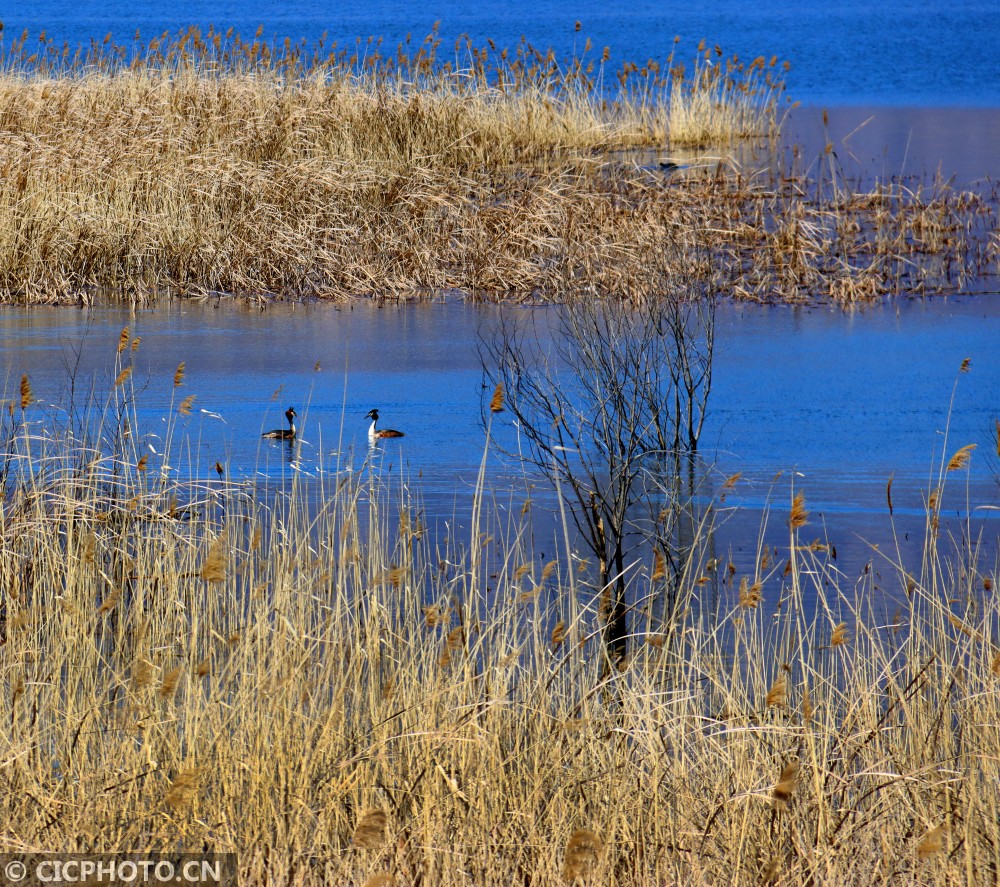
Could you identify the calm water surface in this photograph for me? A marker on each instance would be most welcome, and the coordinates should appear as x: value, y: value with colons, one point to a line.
x: 837, y: 403
x: 816, y: 399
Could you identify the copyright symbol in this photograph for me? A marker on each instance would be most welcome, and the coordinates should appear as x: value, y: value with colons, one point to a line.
x: 15, y: 870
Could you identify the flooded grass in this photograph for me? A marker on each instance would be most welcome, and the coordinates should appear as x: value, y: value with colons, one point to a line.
x: 308, y: 681
x: 207, y: 164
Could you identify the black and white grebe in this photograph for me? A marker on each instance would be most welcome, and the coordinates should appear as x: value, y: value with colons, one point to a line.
x: 284, y: 433
x: 376, y: 434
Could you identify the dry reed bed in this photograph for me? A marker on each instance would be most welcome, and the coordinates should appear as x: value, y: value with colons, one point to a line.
x: 315, y: 181
x: 339, y: 699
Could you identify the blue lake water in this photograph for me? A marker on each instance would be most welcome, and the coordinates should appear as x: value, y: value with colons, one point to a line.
x: 855, y: 394
x: 836, y: 402
x: 897, y: 52
x: 815, y: 399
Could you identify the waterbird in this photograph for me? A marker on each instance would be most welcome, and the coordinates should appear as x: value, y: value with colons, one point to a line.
x: 284, y: 433
x: 375, y: 434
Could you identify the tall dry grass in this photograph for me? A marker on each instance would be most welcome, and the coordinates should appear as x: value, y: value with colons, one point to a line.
x: 316, y: 682
x: 723, y: 99
x: 207, y: 164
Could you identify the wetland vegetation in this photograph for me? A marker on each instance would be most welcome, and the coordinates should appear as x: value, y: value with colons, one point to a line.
x: 312, y: 679
x: 202, y: 163
x: 340, y: 696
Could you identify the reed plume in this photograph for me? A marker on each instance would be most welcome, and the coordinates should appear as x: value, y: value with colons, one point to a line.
x: 26, y: 395
x: 168, y: 687
x: 496, y: 402
x: 932, y: 842
x: 558, y: 634
x: 433, y: 616
x: 731, y: 481
x: 749, y: 595
x: 781, y: 794
x: 452, y: 643
x: 183, y: 788
x: 961, y: 458
x: 839, y: 635
x: 142, y: 673
x: 179, y: 374
x: 777, y: 694
x: 807, y: 706
x: 369, y: 834
x: 659, y: 566
x: 109, y: 602
x: 799, y: 516
x: 583, y: 850
x: 213, y: 569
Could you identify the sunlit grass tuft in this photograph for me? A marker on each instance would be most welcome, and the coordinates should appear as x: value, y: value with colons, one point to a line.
x: 203, y: 163
x: 302, y: 678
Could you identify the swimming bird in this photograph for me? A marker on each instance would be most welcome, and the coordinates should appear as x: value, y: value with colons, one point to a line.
x: 375, y: 434
x: 284, y: 433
